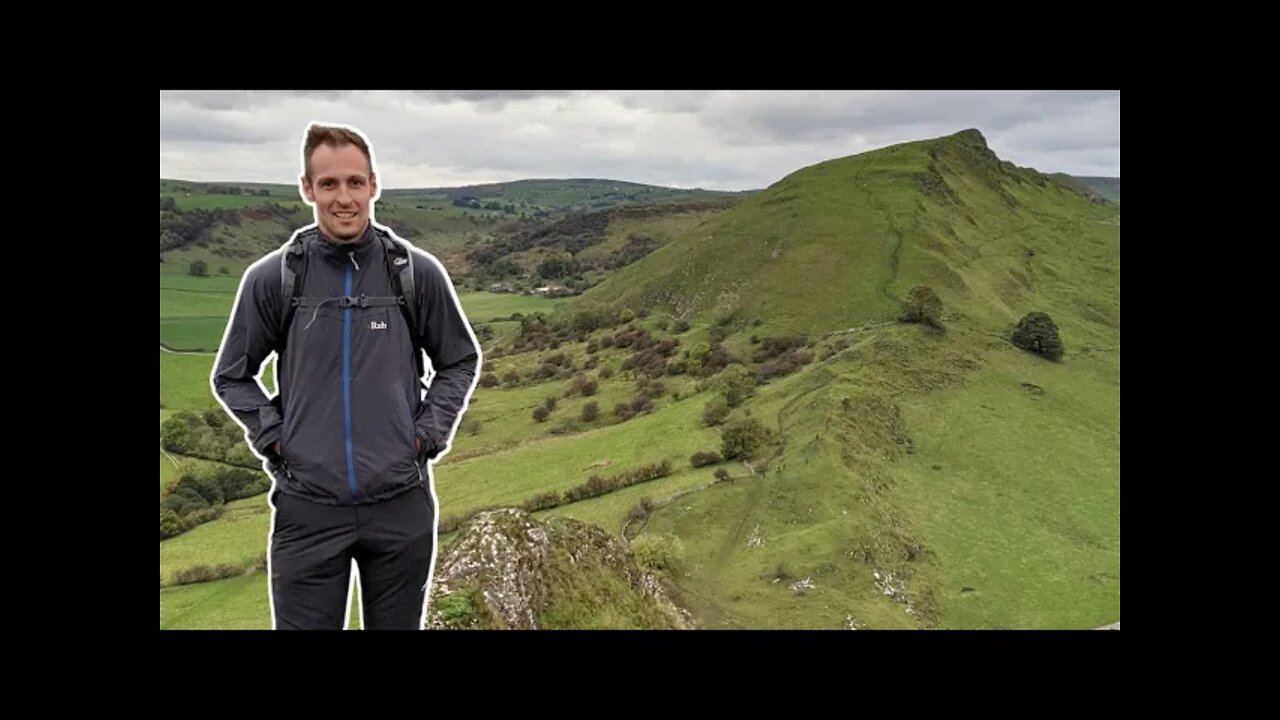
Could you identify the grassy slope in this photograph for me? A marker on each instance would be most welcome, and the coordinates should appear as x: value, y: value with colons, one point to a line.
x: 840, y: 244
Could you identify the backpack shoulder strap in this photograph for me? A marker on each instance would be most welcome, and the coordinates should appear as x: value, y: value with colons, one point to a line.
x: 293, y: 274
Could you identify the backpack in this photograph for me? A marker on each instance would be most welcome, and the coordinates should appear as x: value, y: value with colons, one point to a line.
x: 398, y: 261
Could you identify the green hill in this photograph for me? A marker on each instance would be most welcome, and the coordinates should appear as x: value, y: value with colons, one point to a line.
x: 840, y: 244
x: 229, y: 225
x: 559, y: 196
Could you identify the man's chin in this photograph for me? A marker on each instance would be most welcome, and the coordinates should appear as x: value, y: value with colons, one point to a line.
x: 345, y: 232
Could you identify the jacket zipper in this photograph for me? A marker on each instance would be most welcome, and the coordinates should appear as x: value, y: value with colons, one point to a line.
x: 346, y: 383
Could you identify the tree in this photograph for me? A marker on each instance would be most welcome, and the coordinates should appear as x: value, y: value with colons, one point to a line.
x: 199, y: 268
x: 1037, y: 333
x: 554, y: 268
x: 736, y: 384
x: 714, y: 412
x: 742, y: 438
x: 923, y: 306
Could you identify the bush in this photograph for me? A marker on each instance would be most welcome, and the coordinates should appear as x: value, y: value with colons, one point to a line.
x: 205, y: 573
x: 550, y: 403
x: 198, y: 268
x: 214, y: 418
x: 680, y: 326
x: 175, y: 434
x: 542, y: 502
x: 1038, y: 333
x: 721, y: 474
x: 743, y: 438
x: 170, y: 523
x: 923, y: 306
x: 715, y: 412
x: 590, y: 411
x: 703, y: 459
x: 489, y: 379
x: 786, y: 364
x: 640, y: 510
x: 736, y: 384
x: 662, y: 554
x: 540, y: 414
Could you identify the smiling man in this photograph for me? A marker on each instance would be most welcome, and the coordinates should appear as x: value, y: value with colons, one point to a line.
x: 349, y: 309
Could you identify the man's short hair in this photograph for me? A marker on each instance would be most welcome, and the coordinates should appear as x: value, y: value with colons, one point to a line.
x: 332, y: 136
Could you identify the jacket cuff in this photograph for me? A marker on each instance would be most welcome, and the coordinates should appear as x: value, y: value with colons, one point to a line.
x: 265, y: 443
x: 430, y: 448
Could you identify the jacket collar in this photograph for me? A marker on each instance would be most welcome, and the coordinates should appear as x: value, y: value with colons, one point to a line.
x: 364, y: 247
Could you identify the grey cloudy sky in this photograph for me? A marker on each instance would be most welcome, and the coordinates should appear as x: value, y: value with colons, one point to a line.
x: 722, y: 140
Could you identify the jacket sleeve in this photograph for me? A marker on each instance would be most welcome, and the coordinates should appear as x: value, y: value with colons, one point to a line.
x: 452, y: 350
x: 249, y: 339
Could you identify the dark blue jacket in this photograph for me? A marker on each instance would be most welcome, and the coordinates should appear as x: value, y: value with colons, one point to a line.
x: 349, y: 402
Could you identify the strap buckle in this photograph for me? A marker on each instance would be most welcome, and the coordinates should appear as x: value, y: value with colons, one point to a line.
x: 348, y: 301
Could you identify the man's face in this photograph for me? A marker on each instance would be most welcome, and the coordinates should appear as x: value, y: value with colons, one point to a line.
x: 342, y: 188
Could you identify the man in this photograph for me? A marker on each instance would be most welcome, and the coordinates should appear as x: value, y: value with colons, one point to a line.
x: 349, y: 432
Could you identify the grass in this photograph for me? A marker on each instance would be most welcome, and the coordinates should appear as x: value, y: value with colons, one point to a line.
x: 485, y: 306
x: 209, y: 202
x: 1026, y: 497
x: 193, y: 334
x: 184, y: 381
x: 542, y: 464
x: 236, y: 538
x: 238, y: 603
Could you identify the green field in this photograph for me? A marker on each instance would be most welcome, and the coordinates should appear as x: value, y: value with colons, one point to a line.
x: 239, y: 603
x: 557, y: 463
x: 184, y: 381
x: 194, y: 310
x: 193, y: 334
x: 209, y: 202
x: 486, y: 306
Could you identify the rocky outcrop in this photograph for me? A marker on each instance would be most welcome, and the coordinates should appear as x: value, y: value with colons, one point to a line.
x: 507, y: 570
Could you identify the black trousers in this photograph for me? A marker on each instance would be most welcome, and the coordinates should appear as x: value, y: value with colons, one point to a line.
x: 312, y: 546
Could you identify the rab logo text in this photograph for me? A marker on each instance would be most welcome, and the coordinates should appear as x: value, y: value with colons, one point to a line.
x: 375, y: 325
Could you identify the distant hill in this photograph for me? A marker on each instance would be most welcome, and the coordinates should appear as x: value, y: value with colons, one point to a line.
x: 842, y: 242
x: 1108, y: 187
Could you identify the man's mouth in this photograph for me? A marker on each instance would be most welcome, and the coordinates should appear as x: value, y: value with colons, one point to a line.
x: 345, y: 215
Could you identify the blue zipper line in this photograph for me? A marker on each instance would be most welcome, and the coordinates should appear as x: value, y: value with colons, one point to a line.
x: 346, y: 387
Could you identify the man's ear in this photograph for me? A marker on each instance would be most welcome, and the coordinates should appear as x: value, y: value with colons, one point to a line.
x: 373, y: 184
x: 306, y: 189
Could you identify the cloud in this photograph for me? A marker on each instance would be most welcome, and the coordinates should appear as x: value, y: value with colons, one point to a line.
x: 715, y: 139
